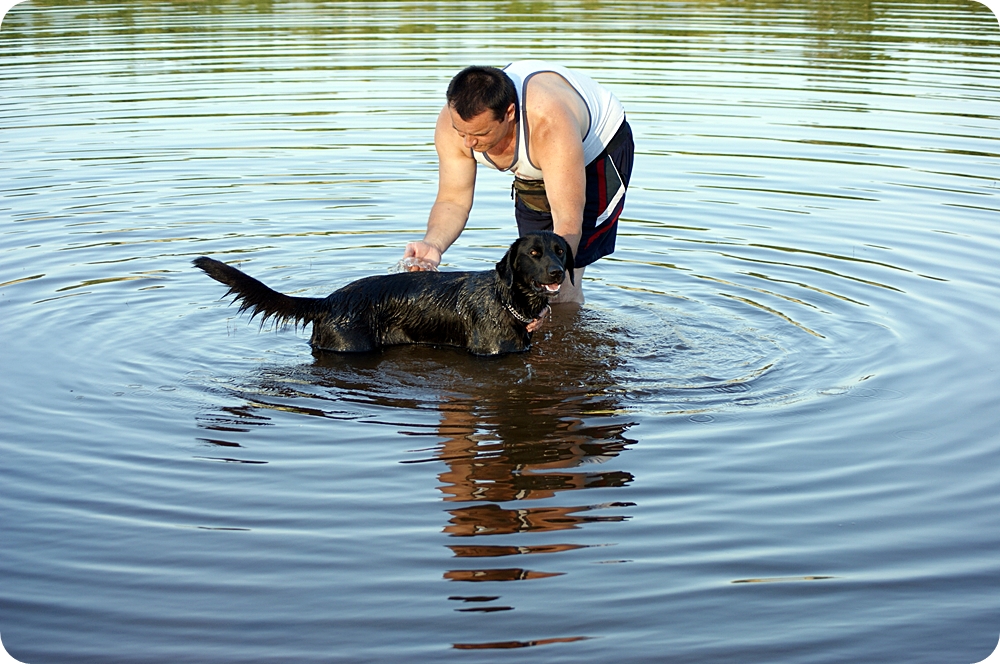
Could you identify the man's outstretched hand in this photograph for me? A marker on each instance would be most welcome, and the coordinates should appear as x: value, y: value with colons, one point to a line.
x: 420, y: 256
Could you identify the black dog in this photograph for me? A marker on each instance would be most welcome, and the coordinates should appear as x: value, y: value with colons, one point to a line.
x: 486, y: 312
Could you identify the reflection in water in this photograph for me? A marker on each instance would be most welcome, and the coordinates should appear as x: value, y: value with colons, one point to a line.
x: 784, y: 579
x: 492, y: 520
x: 505, y: 645
x: 808, y: 259
x: 525, y: 427
x: 502, y: 466
x: 488, y: 551
x: 522, y: 446
x: 505, y: 574
x: 513, y: 435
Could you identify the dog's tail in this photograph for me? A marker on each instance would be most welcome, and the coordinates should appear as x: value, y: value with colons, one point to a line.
x: 257, y: 298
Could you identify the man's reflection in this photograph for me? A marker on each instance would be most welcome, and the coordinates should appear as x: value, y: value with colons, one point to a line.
x: 507, y: 443
x: 526, y: 447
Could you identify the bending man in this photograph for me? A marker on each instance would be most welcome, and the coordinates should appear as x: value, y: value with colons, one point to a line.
x: 564, y: 138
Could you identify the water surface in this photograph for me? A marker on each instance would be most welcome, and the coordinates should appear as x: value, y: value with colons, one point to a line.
x: 769, y: 436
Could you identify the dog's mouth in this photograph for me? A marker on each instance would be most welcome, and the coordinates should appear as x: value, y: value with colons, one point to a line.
x: 547, y: 289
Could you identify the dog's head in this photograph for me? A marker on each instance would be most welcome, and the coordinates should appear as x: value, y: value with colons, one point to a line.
x: 539, y: 261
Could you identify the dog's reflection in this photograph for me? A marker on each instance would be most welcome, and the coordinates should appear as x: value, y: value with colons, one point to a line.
x: 517, y: 433
x: 526, y: 427
x: 513, y: 435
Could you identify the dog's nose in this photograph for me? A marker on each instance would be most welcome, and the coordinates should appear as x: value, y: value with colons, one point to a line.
x: 557, y: 275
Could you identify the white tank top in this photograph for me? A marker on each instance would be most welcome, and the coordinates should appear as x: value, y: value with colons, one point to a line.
x: 606, y: 116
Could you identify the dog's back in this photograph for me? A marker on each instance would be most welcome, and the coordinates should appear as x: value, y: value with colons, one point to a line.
x: 382, y: 310
x: 403, y: 308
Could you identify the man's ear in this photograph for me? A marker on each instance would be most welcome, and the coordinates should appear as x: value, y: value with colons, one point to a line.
x: 505, y: 267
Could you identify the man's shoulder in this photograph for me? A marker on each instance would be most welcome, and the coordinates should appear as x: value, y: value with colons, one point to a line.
x: 446, y: 137
x: 552, y: 96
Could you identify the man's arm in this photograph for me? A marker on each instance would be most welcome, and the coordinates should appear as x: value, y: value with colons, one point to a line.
x: 556, y: 115
x: 456, y: 185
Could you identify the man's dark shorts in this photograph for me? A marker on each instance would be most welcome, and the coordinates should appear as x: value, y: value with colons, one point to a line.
x: 607, y: 179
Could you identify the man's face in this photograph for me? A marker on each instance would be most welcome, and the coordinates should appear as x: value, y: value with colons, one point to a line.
x: 483, y: 132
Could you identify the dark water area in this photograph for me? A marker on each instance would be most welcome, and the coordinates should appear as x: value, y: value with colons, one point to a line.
x: 770, y: 435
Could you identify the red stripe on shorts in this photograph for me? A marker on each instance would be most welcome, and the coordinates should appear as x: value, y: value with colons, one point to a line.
x: 608, y: 224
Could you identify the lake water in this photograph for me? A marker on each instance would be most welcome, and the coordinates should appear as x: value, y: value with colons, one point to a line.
x: 771, y: 435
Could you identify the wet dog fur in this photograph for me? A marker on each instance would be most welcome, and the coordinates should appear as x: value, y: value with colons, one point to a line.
x: 486, y: 312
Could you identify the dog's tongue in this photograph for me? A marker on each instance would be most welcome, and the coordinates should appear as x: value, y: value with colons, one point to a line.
x: 552, y: 288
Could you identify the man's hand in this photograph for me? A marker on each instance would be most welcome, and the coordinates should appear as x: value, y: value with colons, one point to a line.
x: 537, y: 323
x: 424, y: 256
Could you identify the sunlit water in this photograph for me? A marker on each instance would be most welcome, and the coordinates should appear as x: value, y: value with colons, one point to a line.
x: 771, y: 435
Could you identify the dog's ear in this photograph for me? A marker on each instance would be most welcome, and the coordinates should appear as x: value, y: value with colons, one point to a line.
x: 505, y: 267
x: 568, y: 263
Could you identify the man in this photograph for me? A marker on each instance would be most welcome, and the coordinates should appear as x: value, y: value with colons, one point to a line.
x: 563, y: 136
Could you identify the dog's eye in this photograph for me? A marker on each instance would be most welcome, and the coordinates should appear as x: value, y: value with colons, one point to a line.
x: 559, y: 251
x: 536, y: 253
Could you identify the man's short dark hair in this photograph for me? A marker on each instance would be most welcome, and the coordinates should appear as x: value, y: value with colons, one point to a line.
x: 476, y: 89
